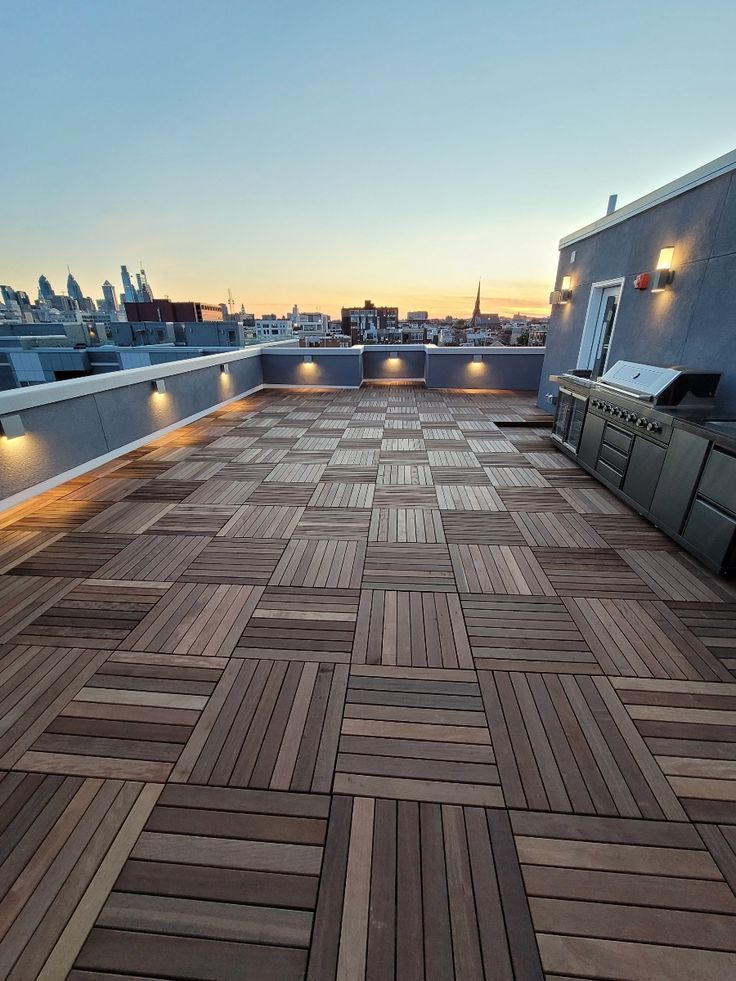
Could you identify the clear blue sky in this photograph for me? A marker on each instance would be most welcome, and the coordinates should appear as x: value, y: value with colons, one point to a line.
x: 330, y: 151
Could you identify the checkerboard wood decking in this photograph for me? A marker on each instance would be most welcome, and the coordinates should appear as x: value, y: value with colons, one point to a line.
x: 361, y: 685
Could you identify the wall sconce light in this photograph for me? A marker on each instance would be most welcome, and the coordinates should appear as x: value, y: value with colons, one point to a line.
x: 12, y: 426
x: 225, y: 369
x: 477, y: 358
x: 307, y: 359
x: 566, y: 289
x: 160, y: 386
x: 394, y: 356
x: 664, y: 273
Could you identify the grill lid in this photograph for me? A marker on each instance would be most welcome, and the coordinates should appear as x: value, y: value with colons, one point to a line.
x: 640, y: 379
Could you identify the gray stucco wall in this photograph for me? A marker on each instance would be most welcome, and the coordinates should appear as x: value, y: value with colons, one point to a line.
x: 60, y: 436
x: 693, y: 322
x: 338, y: 368
x: 500, y: 369
x: 379, y: 364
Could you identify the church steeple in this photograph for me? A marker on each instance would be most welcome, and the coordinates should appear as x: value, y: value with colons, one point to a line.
x: 475, y: 319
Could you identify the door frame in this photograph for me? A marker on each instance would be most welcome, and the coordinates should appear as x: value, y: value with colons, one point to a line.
x: 588, y: 340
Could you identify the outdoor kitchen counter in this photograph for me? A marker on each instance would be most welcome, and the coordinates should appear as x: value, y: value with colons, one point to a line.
x: 698, y: 425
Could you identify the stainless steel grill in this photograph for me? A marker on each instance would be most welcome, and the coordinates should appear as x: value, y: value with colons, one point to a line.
x: 660, y: 386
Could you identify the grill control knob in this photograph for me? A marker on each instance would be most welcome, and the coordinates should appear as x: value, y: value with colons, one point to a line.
x: 641, y: 421
x: 653, y: 427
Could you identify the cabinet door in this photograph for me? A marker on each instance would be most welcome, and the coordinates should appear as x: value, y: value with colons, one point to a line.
x: 676, y: 485
x: 645, y: 466
x: 562, y: 415
x: 718, y: 482
x: 711, y: 532
x: 591, y: 440
x: 574, y: 430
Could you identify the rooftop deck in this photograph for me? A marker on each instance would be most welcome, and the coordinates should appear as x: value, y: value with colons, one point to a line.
x: 361, y: 684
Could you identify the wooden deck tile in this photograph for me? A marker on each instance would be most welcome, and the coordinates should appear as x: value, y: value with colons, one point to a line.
x: 403, y: 474
x: 559, y: 530
x: 690, y: 727
x: 566, y: 744
x: 591, y: 572
x: 75, y: 555
x: 536, y: 499
x: 60, y: 515
x: 195, y: 618
x: 244, y: 561
x: 405, y: 497
x: 93, y: 614
x: 309, y: 624
x: 408, y: 566
x: 422, y: 629
x: 452, y: 497
x: 66, y: 846
x: 24, y: 598
x: 159, y: 558
x: 193, y: 519
x: 420, y: 525
x: 163, y: 489
x: 130, y: 721
x: 675, y: 577
x: 127, y: 517
x: 643, y: 639
x: 221, y: 884
x: 474, y: 527
x: 320, y: 563
x: 526, y: 633
x: 410, y: 738
x: 272, y: 724
x: 628, y: 531
x: 510, y: 569
x: 466, y: 476
x: 714, y: 624
x: 35, y: 683
x: 334, y: 495
x: 515, y: 477
x: 625, y: 898
x: 420, y: 890
x: 262, y: 521
x: 334, y: 522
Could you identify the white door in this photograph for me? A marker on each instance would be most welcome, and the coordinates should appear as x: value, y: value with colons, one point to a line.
x: 598, y: 329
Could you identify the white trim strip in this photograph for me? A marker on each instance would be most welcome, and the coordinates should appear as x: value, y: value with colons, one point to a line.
x: 99, y: 461
x: 708, y: 172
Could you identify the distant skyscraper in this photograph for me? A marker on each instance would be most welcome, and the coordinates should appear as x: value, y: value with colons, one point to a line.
x: 128, y: 288
x: 145, y: 293
x: 45, y: 290
x: 108, y: 291
x: 8, y: 295
x: 73, y: 289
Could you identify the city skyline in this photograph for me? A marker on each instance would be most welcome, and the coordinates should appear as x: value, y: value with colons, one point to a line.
x: 452, y: 144
x: 504, y: 306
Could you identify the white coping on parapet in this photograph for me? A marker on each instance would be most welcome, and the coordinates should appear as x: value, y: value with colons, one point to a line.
x: 708, y: 172
x: 22, y: 399
x: 18, y: 399
x: 99, y: 461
